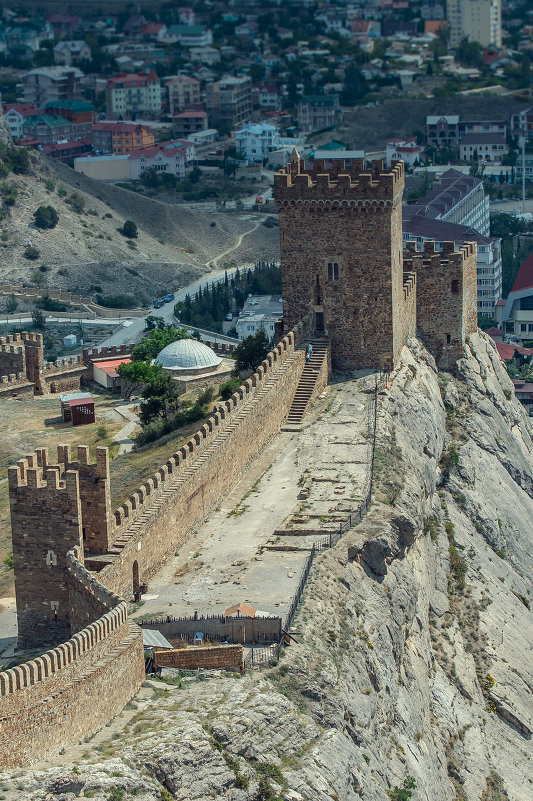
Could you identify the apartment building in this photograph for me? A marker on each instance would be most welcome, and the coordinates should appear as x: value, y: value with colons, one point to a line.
x: 47, y: 84
x: 256, y: 140
x: 515, y: 315
x: 448, y: 130
x: 189, y: 122
x: 182, y: 91
x: 120, y: 138
x: 475, y: 20
x: 132, y: 94
x: 460, y: 199
x: 229, y: 101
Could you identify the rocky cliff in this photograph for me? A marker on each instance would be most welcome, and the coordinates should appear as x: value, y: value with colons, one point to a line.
x: 413, y: 652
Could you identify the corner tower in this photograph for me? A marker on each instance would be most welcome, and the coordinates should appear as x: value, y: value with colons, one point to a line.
x: 341, y: 257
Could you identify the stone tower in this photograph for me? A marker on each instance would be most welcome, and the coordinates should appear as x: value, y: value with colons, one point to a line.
x: 341, y: 257
x: 46, y: 524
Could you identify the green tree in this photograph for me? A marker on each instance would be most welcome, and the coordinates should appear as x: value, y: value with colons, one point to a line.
x: 129, y: 229
x: 38, y: 319
x: 46, y: 217
x: 135, y: 375
x: 160, y: 395
x: 250, y: 352
x: 11, y: 304
x: 157, y: 339
x: 405, y: 792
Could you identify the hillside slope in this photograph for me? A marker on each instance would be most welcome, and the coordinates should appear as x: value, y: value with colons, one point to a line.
x: 413, y: 656
x: 175, y: 244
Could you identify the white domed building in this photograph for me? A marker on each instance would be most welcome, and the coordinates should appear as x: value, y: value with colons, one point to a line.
x: 193, y: 362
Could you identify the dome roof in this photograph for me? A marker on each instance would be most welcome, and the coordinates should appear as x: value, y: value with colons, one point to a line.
x: 187, y: 354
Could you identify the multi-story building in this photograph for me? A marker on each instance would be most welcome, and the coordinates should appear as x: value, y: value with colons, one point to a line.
x: 522, y: 123
x: 49, y: 129
x: 448, y: 130
x: 484, y: 147
x: 460, y: 199
x: 172, y: 158
x: 120, y: 138
x: 15, y: 114
x: 190, y: 35
x: 131, y: 94
x: 229, y: 101
x: 318, y: 111
x: 189, y: 122
x: 528, y: 158
x: 80, y: 113
x: 47, y: 84
x: 475, y: 20
x: 205, y: 55
x: 515, y: 315
x: 256, y: 140
x: 419, y: 228
x: 182, y: 91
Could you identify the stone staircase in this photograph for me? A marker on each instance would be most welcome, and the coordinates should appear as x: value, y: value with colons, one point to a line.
x: 307, y: 382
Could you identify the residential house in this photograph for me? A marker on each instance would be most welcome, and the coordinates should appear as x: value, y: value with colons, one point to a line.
x: 71, y: 51
x: 154, y: 32
x: 246, y: 31
x: 267, y: 97
x: 205, y: 55
x: 406, y: 150
x: 190, y: 35
x: 189, y: 122
x: 483, y: 147
x: 131, y: 94
x: 442, y: 131
x: 182, y: 91
x: 172, y: 158
x: 229, y: 101
x: 318, y: 111
x: 80, y: 113
x: 48, y: 129
x: 46, y: 84
x: 15, y: 114
x: 256, y: 140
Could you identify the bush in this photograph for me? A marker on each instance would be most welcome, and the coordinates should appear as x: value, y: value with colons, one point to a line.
x: 50, y: 304
x: 32, y: 253
x: 76, y: 201
x: 62, y: 192
x: 46, y: 217
x: 129, y: 229
x: 15, y: 159
x: 125, y: 301
x: 229, y: 387
x: 38, y: 319
x: 50, y: 184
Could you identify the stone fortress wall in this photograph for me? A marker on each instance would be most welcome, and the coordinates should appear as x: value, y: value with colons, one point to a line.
x: 75, y: 558
x: 96, y: 662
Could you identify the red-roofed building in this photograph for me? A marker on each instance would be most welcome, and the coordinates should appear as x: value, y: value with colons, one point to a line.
x: 189, y: 122
x: 133, y: 94
x: 516, y: 317
x: 120, y: 138
x: 406, y: 150
x: 154, y: 32
x: 173, y: 158
x: 105, y: 372
x: 495, y: 333
x: 15, y: 114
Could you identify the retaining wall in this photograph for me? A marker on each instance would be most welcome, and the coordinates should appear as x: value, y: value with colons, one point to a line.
x: 215, y: 657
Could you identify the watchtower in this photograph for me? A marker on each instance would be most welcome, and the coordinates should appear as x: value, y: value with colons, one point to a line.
x: 46, y: 524
x: 341, y: 256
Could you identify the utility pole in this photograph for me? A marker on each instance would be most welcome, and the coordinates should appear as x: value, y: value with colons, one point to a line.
x: 523, y: 128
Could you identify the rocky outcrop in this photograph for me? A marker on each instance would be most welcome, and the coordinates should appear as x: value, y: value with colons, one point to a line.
x: 412, y: 655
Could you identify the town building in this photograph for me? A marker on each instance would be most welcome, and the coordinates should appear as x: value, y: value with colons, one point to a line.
x: 72, y: 51
x: 475, y: 20
x: 48, y: 129
x: 132, y: 94
x: 172, y: 158
x: 318, y: 111
x: 448, y: 130
x: 190, y: 35
x: 205, y: 55
x: 267, y: 97
x: 406, y: 150
x: 483, y: 147
x: 182, y: 91
x: 47, y: 84
x: 256, y: 140
x: 229, y: 101
x: 189, y: 122
x: 259, y: 313
x: 458, y: 198
x: 15, y: 114
x: 522, y: 124
x: 519, y: 167
x: 515, y: 315
x: 120, y: 138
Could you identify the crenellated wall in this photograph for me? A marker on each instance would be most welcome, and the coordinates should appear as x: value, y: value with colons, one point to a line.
x: 72, y: 690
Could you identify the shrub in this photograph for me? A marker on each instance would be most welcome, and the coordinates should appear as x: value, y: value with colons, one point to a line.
x: 50, y: 304
x: 38, y: 319
x: 32, y: 253
x: 119, y: 301
x: 50, y: 184
x: 15, y: 159
x: 46, y: 217
x: 62, y: 192
x: 9, y: 561
x: 11, y: 304
x: 77, y: 202
x: 129, y: 229
x: 229, y: 387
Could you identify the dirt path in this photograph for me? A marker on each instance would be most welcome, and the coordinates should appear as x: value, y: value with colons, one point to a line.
x: 234, y: 247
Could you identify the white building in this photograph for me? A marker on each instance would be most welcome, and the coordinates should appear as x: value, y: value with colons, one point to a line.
x: 133, y: 93
x: 45, y: 84
x: 475, y: 20
x: 172, y: 158
x: 259, y: 313
x: 256, y: 140
x: 15, y: 115
x: 404, y: 150
x: 71, y: 52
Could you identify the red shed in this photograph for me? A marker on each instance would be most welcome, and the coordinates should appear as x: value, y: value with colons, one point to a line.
x: 82, y: 411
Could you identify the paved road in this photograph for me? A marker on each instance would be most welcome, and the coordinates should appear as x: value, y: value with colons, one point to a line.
x: 131, y: 330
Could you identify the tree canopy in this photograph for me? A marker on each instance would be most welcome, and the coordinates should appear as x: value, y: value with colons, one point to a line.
x: 251, y: 351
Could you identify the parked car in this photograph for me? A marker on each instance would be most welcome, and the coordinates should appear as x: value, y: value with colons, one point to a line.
x: 168, y: 297
x: 158, y: 304
x: 229, y: 316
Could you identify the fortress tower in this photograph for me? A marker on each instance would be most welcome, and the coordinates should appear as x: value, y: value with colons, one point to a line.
x: 341, y: 257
